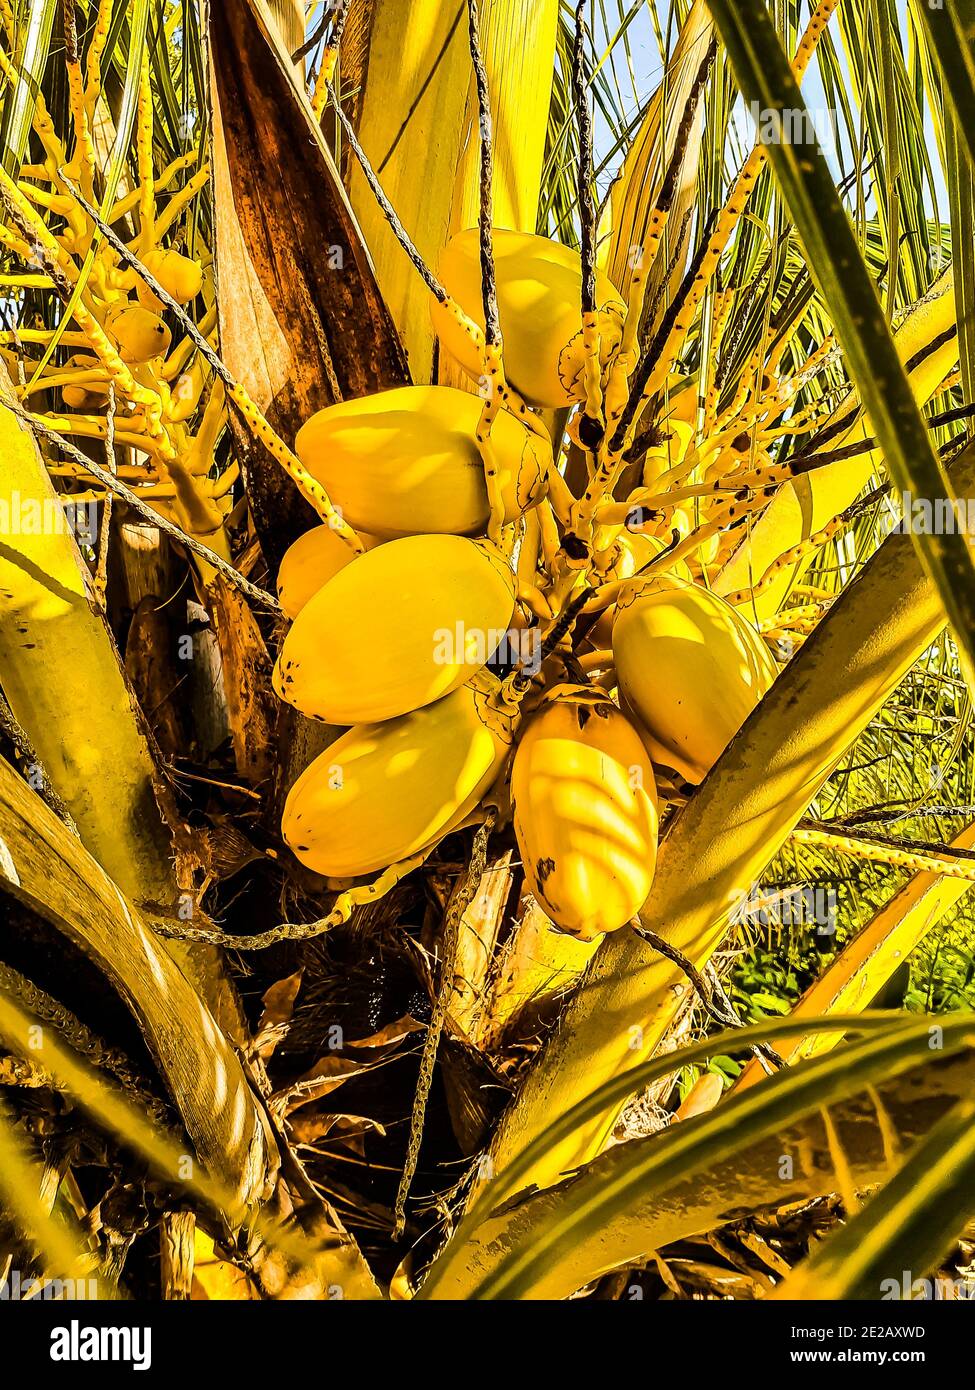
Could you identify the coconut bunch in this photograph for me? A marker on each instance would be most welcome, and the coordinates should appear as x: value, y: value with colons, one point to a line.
x: 493, y: 642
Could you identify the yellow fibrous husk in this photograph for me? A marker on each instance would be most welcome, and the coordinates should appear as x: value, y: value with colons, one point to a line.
x: 585, y: 813
x: 383, y: 792
x: 139, y: 333
x: 405, y: 462
x: 404, y: 625
x: 179, y: 276
x: 539, y: 284
x: 690, y: 668
x: 310, y: 563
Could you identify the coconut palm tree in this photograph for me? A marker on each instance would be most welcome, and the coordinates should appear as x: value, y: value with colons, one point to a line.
x: 683, y: 294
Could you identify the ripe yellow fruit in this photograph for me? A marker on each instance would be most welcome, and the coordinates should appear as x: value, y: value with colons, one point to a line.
x: 310, y: 563
x: 585, y: 813
x: 402, y: 626
x: 140, y: 334
x: 539, y: 302
x: 383, y: 792
x: 690, y: 668
x: 405, y: 462
x: 78, y: 397
x: 179, y: 276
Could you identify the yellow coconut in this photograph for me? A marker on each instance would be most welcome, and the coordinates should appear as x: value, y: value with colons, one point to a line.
x: 90, y: 395
x: 690, y: 668
x: 402, y: 626
x: 180, y: 276
x: 310, y: 563
x: 539, y: 286
x: 585, y: 813
x: 383, y: 792
x: 405, y: 462
x: 139, y: 333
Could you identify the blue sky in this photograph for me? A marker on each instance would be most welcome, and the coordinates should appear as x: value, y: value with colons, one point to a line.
x: 643, y: 73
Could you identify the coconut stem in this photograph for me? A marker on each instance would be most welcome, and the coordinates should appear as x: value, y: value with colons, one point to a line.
x: 460, y: 902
